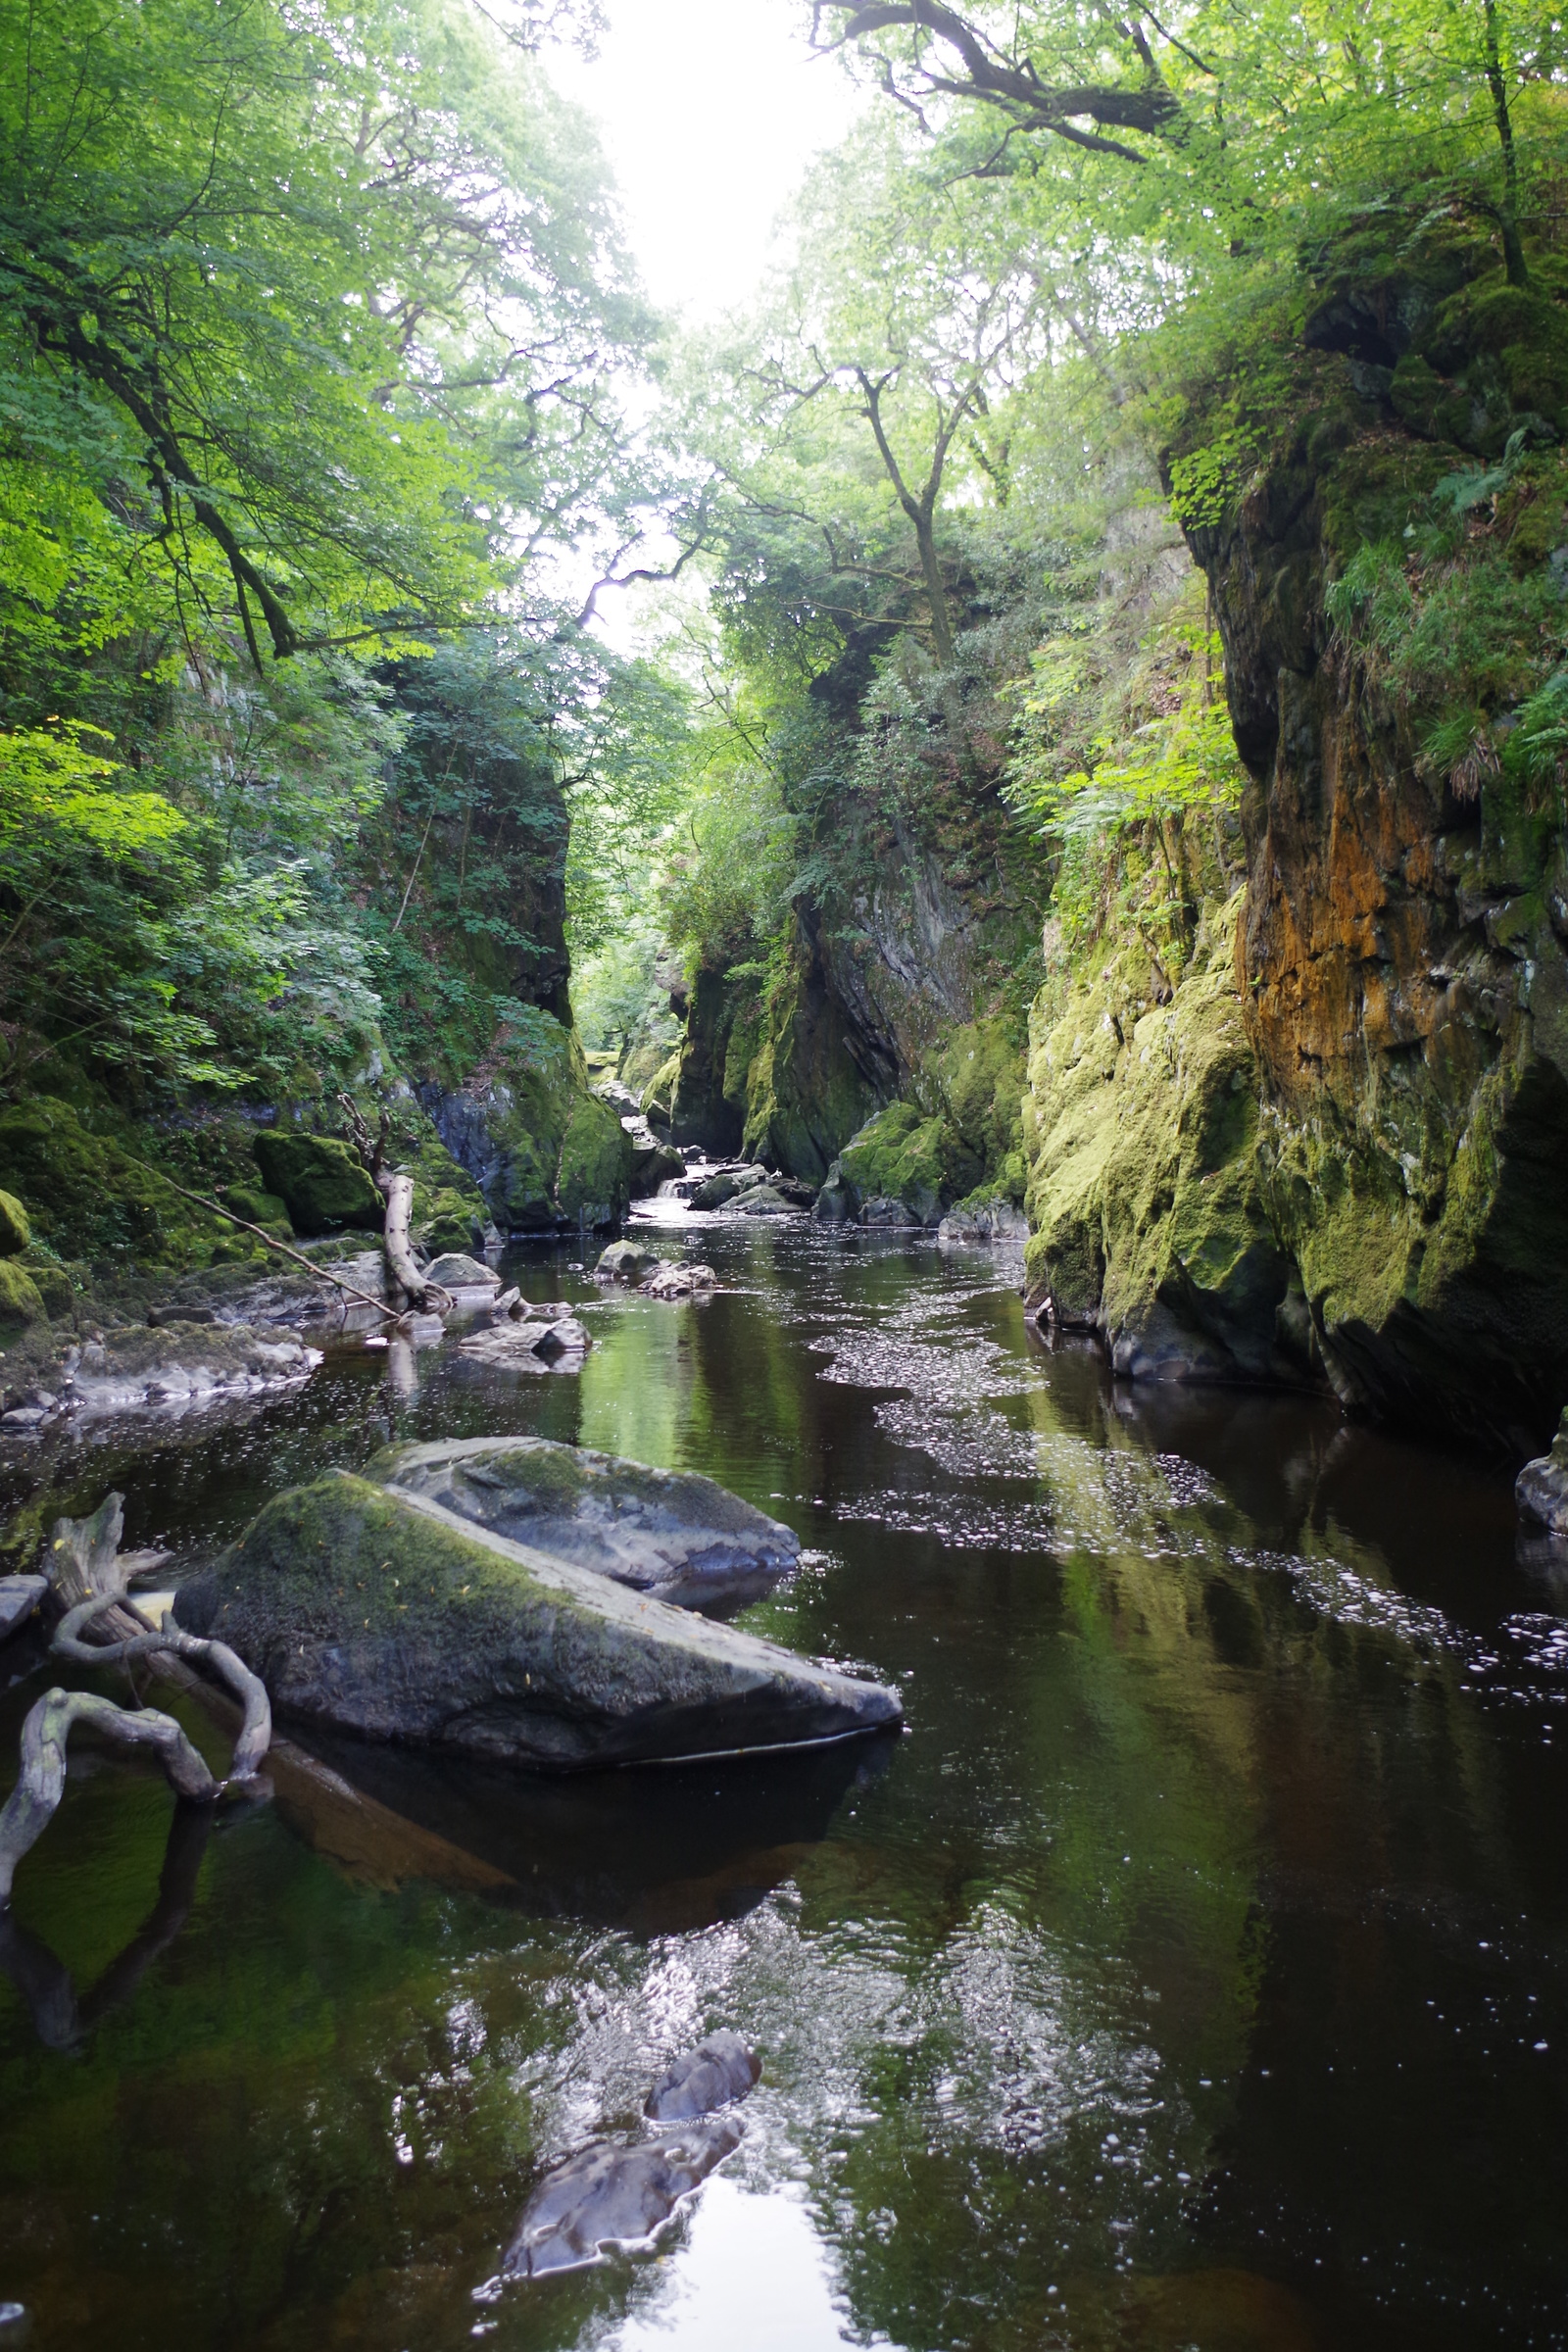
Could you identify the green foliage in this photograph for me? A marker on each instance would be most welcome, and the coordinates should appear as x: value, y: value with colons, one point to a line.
x: 1461, y: 622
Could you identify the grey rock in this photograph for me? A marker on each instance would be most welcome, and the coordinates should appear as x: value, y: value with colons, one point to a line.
x: 20, y: 1595
x: 623, y: 1262
x: 884, y: 1210
x: 666, y: 1533
x: 835, y: 1203
x: 374, y: 1610
x: 454, y: 1270
x: 995, y: 1220
x: 511, y: 1343
x: 725, y: 1184
x: 614, y: 2195
x: 719, y: 2071
x: 670, y: 1280
x: 1541, y: 1489
x: 766, y: 1201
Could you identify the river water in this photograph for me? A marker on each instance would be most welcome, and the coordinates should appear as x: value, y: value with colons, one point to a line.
x: 1191, y: 1971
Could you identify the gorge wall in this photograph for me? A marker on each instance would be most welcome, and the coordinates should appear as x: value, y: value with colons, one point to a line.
x: 1340, y: 1152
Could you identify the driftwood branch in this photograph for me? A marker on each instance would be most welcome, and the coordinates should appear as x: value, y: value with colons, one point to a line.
x: 256, y: 1730
x: 296, y: 1257
x: 30, y: 1806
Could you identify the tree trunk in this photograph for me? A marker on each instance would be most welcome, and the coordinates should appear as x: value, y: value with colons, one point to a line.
x: 936, y: 590
x: 1513, y: 252
x: 398, y: 1192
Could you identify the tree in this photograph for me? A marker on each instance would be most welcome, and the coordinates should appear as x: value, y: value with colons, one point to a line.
x: 327, y: 313
x: 914, y: 311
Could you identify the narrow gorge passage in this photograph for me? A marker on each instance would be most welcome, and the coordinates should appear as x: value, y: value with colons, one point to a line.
x: 1140, y: 1995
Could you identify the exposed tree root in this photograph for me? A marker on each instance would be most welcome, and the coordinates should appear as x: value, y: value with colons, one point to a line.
x: 30, y: 1806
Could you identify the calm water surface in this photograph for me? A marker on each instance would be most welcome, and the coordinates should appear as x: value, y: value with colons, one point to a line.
x: 1193, y: 1972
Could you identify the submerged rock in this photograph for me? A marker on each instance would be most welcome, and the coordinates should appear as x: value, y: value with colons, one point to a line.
x: 769, y: 1201
x: 614, y: 2195
x: 1542, y: 1488
x: 376, y: 1610
x: 179, y: 1362
x: 719, y: 2071
x: 667, y: 1533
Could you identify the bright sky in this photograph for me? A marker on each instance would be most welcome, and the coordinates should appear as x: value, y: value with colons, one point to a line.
x: 711, y: 111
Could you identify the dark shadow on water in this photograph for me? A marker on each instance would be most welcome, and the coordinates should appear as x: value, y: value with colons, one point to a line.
x: 659, y: 1851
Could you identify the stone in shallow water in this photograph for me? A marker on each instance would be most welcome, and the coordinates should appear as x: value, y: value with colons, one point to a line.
x: 672, y: 1281
x: 457, y: 1271
x: 610, y: 2195
x: 507, y: 1342
x: 623, y: 1262
x: 667, y: 1533
x: 1542, y: 1488
x: 20, y: 1595
x: 719, y: 2069
x: 377, y: 1612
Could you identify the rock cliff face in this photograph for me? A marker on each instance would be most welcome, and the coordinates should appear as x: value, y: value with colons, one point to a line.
x: 1342, y: 1151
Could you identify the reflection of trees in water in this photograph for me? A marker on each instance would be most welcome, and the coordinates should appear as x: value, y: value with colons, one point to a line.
x: 60, y: 2020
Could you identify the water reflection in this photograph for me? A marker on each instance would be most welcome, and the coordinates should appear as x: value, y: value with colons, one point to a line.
x: 1195, y: 1972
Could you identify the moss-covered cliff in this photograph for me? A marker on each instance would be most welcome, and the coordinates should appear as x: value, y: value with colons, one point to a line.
x: 1338, y: 1152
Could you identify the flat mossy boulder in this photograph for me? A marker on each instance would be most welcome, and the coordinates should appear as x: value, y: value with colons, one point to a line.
x: 320, y: 1181
x: 377, y: 1612
x: 667, y: 1533
x: 15, y: 1232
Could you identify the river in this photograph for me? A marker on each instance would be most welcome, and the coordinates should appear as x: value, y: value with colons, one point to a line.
x: 1191, y: 1971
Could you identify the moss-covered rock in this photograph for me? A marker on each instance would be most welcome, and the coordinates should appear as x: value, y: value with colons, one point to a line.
x: 905, y: 1158
x: 15, y: 1231
x: 20, y: 1305
x: 57, y: 1285
x: 88, y: 1199
x: 805, y: 1095
x: 445, y: 1219
x: 541, y: 1147
x: 269, y: 1210
x: 320, y: 1180
x: 1150, y: 1221
x: 378, y: 1612
x: 667, y: 1533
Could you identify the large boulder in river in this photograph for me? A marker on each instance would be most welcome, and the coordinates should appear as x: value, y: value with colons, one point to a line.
x: 667, y: 1533
x: 374, y: 1610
